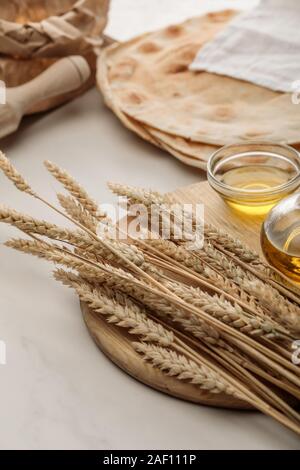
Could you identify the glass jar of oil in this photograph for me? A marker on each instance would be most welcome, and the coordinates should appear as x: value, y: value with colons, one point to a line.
x: 252, y: 177
x: 280, y: 237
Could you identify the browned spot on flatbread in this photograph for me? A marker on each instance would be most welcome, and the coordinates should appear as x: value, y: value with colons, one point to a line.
x: 188, y: 56
x: 124, y: 70
x: 134, y: 98
x: 149, y: 47
x: 174, y: 30
x: 220, y: 16
x: 177, y: 68
x: 256, y: 133
x: 224, y: 112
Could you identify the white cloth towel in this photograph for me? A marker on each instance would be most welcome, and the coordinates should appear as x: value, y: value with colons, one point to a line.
x: 261, y: 46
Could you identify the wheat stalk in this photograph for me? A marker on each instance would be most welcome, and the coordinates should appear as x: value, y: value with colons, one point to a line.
x: 125, y: 280
x: 19, y: 182
x: 216, y: 236
x: 217, y: 321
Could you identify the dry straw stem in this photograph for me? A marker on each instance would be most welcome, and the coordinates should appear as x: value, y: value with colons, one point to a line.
x: 133, y: 287
x: 241, y: 300
x: 218, y: 237
x: 239, y: 365
x: 133, y: 318
x: 127, y: 314
x: 80, y: 194
x: 230, y: 363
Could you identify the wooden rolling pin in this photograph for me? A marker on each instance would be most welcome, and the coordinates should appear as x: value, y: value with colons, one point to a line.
x: 63, y: 76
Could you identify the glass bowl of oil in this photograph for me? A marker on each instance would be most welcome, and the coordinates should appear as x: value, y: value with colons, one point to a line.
x: 280, y: 237
x: 253, y: 176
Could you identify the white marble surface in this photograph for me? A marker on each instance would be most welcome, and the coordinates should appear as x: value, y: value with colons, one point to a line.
x: 57, y: 389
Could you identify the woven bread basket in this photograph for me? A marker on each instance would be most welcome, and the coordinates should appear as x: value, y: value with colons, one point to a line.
x: 35, y: 33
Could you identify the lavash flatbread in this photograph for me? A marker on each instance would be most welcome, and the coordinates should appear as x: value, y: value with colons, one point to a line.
x: 167, y: 142
x: 191, y: 153
x: 150, y: 82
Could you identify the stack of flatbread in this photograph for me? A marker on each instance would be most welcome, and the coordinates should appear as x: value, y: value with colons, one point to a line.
x: 148, y: 85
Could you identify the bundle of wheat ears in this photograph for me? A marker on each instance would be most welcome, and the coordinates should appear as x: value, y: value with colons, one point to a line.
x: 217, y: 317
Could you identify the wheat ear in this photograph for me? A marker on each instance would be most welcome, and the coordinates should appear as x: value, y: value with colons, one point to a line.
x: 270, y: 298
x: 75, y: 190
x: 14, y: 175
x: 177, y: 365
x: 232, y: 314
x: 78, y: 212
x: 126, y: 314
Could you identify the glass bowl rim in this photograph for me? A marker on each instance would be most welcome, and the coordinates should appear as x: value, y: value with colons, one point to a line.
x: 245, y: 192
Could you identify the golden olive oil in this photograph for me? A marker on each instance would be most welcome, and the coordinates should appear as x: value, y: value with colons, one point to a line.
x: 281, y: 247
x: 254, y: 179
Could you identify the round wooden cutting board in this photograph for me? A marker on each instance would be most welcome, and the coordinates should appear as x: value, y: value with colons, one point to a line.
x: 115, y: 343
